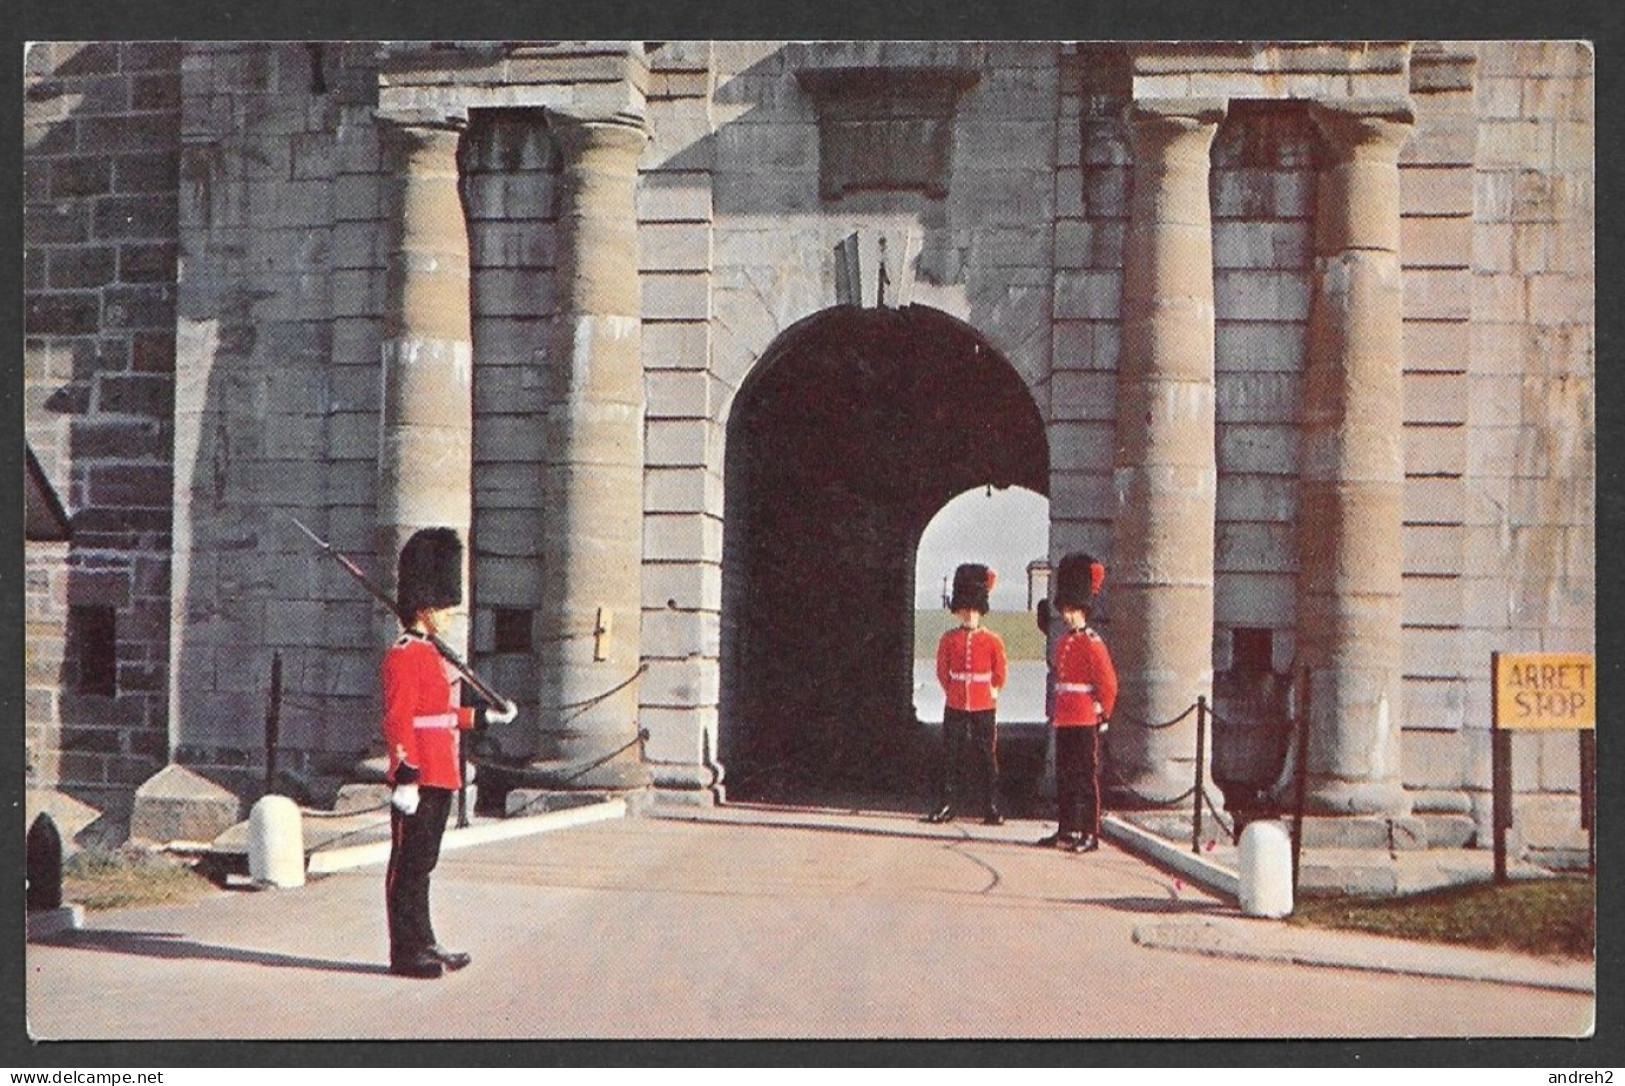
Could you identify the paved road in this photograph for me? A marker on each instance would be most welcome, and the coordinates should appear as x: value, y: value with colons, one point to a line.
x: 741, y: 923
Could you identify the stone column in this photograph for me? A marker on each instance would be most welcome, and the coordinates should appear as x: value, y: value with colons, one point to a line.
x: 425, y: 448
x: 1352, y: 467
x: 592, y: 520
x: 1160, y: 580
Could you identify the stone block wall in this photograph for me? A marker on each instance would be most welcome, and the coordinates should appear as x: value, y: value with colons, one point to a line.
x: 1091, y: 186
x: 510, y: 171
x: 684, y: 408
x: 283, y: 224
x: 1436, y: 255
x: 101, y: 140
x: 1529, y: 565
x: 1262, y: 188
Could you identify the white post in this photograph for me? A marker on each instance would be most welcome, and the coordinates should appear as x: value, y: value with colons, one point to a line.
x: 1266, y: 870
x: 276, y: 843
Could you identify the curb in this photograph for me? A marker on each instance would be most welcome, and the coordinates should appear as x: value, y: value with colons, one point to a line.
x: 1265, y: 940
x: 1205, y: 873
x: 343, y: 859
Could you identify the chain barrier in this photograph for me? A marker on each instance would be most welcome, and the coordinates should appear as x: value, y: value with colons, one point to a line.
x: 588, y: 703
x: 497, y: 759
x: 636, y: 741
x: 1157, y: 727
x: 642, y: 736
x: 1122, y: 786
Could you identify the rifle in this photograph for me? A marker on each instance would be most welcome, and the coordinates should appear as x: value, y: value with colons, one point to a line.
x: 477, y: 684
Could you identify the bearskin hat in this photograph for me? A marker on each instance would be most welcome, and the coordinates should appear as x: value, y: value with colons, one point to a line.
x: 972, y: 583
x: 430, y: 573
x: 1077, y: 581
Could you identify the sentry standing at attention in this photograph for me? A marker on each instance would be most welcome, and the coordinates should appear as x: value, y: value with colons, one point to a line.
x: 422, y: 724
x: 1082, y: 698
x: 971, y: 667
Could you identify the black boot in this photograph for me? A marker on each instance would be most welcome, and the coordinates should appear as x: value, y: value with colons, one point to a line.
x: 453, y: 960
x: 945, y: 813
x: 422, y: 965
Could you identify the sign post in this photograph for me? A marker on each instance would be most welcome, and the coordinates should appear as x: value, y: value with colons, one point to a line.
x: 1540, y: 691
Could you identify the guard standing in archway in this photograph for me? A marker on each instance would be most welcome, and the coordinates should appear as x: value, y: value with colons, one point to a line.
x: 971, y: 667
x: 1084, y: 694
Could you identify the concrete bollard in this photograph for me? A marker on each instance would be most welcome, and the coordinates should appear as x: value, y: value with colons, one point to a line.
x: 276, y: 843
x: 1266, y: 870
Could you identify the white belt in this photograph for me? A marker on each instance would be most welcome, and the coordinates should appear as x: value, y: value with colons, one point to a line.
x: 439, y: 720
x: 972, y: 676
x: 1074, y: 688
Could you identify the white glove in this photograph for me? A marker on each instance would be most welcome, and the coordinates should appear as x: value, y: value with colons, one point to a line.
x: 405, y: 798
x: 501, y: 714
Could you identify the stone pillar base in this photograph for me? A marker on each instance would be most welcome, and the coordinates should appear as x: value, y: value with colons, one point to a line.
x: 1340, y: 798
x: 619, y: 774
x: 521, y: 802
x: 1405, y: 833
x: 688, y: 785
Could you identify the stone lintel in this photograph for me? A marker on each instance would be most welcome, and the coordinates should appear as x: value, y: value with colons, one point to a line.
x: 1437, y: 66
x: 588, y: 80
x: 406, y: 116
x: 1204, y: 57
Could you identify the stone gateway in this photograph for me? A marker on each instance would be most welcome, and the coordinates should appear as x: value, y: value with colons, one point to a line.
x: 690, y: 340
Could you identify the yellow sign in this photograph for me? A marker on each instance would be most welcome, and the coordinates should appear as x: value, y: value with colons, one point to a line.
x: 1545, y: 690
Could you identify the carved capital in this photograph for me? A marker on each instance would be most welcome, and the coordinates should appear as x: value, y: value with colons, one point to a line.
x: 1363, y: 128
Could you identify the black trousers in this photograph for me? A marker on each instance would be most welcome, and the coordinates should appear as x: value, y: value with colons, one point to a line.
x: 970, y: 735
x: 1077, y: 780
x: 414, y: 851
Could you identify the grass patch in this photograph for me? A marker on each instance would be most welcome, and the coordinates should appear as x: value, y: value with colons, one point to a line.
x: 100, y: 878
x: 1022, y: 641
x: 1554, y: 917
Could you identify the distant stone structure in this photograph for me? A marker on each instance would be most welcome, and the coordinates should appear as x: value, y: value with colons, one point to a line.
x: 694, y: 338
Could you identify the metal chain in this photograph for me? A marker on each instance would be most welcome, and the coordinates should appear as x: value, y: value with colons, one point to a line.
x: 636, y: 740
x: 1123, y: 786
x: 588, y: 703
x: 1157, y: 727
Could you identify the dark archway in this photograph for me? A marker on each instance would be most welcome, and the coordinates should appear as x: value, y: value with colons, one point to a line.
x: 848, y: 436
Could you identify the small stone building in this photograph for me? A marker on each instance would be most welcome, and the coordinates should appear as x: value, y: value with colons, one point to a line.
x: 692, y: 339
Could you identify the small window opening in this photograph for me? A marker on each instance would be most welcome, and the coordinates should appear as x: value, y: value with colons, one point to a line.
x: 94, y: 639
x: 513, y: 626
x: 1251, y: 651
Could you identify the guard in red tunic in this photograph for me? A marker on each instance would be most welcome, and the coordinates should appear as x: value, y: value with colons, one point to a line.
x: 971, y: 668
x: 1082, y: 697
x: 423, y: 719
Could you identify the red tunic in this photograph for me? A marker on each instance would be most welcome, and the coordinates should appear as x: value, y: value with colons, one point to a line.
x: 421, y: 714
x: 1085, y: 680
x: 971, y: 667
